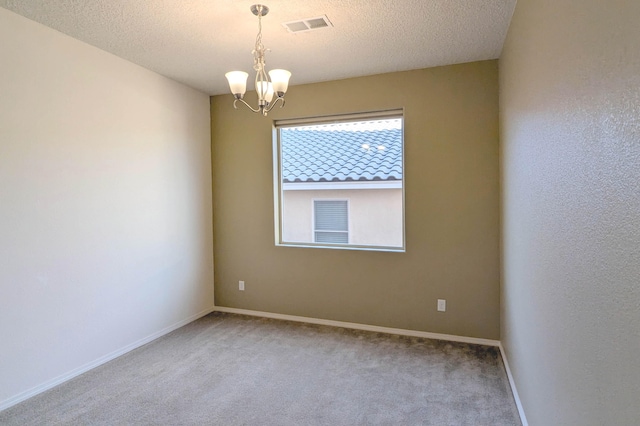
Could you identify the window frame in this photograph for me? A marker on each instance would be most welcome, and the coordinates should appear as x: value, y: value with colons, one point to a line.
x: 278, y: 184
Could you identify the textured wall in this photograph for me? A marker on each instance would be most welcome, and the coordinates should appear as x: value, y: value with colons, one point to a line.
x: 452, y: 208
x: 570, y: 132
x: 105, y: 205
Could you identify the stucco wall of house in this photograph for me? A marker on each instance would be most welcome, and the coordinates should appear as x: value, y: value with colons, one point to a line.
x: 375, y: 215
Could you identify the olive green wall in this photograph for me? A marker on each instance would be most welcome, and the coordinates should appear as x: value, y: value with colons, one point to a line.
x: 451, y: 217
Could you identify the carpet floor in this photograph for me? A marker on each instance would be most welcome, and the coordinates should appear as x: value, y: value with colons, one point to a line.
x: 226, y: 369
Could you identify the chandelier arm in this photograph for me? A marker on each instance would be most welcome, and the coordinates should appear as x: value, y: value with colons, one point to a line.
x: 246, y: 104
x: 273, y: 104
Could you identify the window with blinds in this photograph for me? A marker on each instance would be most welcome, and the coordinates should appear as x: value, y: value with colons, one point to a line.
x: 331, y: 221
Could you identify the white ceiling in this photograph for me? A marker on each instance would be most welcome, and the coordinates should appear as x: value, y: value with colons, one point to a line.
x: 197, y: 41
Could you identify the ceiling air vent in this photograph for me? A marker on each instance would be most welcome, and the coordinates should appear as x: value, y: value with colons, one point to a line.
x: 308, y: 24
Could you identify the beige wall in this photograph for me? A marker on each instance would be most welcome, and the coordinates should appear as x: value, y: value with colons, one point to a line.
x: 105, y: 206
x: 452, y: 208
x: 375, y: 215
x: 570, y: 114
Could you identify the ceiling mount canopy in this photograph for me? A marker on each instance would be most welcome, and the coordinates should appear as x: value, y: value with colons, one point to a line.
x: 259, y: 9
x: 267, y: 85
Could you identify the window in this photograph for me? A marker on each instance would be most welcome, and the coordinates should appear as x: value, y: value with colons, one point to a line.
x: 339, y: 181
x: 331, y: 221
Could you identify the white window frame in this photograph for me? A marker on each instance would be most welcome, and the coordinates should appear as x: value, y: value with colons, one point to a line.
x: 279, y: 190
x: 313, y: 220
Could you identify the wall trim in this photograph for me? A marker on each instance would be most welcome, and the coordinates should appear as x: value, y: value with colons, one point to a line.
x: 22, y: 396
x: 358, y: 326
x: 512, y: 382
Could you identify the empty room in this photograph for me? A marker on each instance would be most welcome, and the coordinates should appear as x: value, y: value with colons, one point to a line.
x: 421, y: 212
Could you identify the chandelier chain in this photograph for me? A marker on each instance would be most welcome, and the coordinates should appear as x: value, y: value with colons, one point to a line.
x: 258, y: 52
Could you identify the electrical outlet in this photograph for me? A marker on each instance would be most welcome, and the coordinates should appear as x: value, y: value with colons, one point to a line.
x: 442, y: 305
x: 241, y: 285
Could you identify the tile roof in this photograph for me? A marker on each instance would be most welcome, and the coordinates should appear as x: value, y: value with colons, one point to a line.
x: 340, y: 155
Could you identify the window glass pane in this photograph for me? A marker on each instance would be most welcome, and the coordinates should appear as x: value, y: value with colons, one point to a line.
x: 341, y: 181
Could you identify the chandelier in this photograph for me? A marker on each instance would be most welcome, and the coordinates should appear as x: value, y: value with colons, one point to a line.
x: 267, y: 86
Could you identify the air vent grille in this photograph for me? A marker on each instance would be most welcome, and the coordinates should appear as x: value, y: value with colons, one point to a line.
x: 309, y: 24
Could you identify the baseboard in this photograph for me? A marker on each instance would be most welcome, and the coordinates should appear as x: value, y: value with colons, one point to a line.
x: 516, y: 397
x: 86, y: 367
x: 357, y: 326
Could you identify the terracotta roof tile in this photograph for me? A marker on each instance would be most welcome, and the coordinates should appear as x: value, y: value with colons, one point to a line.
x: 341, y: 155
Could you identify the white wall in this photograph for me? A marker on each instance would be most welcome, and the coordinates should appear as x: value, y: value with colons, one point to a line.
x: 105, y: 206
x: 570, y: 134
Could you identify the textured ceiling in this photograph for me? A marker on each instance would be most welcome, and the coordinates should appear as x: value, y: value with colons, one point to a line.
x: 197, y: 41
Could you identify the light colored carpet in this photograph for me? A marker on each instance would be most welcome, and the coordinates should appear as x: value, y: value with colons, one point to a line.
x: 229, y: 369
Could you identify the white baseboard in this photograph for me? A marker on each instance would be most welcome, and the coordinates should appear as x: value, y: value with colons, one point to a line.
x: 516, y: 397
x: 93, y: 364
x: 365, y: 327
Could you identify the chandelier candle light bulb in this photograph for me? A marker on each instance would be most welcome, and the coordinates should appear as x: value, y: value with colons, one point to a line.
x: 275, y: 82
x: 280, y: 81
x: 265, y: 90
x: 237, y: 82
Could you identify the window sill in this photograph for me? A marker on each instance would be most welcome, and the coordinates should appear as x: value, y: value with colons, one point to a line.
x: 343, y: 247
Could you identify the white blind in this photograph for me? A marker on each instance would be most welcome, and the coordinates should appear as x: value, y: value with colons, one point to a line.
x: 393, y: 113
x: 331, y: 221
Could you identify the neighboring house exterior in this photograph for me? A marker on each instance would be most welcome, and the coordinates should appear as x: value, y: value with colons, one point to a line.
x: 342, y: 185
